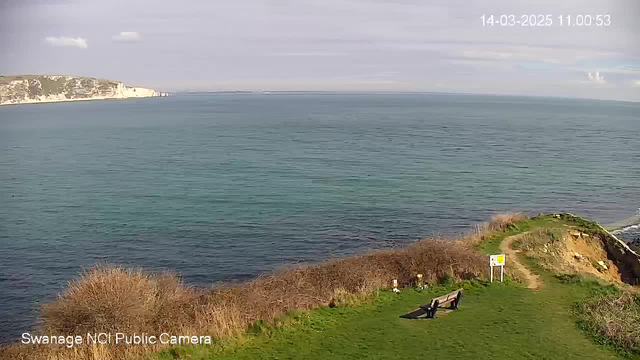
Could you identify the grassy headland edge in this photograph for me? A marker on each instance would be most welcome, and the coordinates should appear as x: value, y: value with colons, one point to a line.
x: 114, y: 299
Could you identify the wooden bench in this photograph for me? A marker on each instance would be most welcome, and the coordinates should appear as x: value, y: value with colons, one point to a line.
x: 452, y: 299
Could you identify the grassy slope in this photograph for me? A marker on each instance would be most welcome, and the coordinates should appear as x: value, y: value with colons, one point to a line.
x: 505, y: 320
x: 492, y: 245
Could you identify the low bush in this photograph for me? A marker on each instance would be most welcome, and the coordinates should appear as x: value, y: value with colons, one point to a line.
x: 115, y: 299
x: 613, y: 318
x: 502, y: 222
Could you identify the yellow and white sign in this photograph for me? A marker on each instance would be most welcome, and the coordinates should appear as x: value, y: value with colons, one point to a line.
x: 497, y: 260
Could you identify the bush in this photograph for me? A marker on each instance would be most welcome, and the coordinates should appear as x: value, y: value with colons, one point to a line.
x: 503, y: 222
x: 613, y: 318
x: 115, y: 299
x: 570, y: 278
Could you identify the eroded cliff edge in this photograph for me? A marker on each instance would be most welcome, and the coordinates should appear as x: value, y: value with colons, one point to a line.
x: 26, y: 89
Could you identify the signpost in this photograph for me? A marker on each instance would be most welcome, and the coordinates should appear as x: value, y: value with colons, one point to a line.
x: 497, y: 260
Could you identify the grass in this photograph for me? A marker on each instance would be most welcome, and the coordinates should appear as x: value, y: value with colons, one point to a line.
x: 503, y: 319
x: 544, y: 223
x: 507, y: 320
x: 607, y: 314
x: 612, y: 319
x: 539, y: 238
x: 491, y: 245
x: 343, y: 309
x: 113, y: 299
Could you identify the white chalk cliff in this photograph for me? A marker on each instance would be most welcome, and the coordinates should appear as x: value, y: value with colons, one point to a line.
x: 28, y: 89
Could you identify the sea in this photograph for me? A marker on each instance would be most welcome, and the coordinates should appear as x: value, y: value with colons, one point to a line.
x: 224, y: 187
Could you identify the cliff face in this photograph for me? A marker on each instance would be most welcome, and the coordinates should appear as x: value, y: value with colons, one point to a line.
x: 624, y: 255
x: 51, y: 88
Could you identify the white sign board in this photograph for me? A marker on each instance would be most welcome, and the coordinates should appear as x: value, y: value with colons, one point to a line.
x: 497, y: 260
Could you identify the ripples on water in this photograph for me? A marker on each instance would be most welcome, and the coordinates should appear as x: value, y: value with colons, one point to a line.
x: 629, y: 233
x: 221, y: 187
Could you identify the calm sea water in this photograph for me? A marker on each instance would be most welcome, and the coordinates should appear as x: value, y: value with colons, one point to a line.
x: 224, y: 187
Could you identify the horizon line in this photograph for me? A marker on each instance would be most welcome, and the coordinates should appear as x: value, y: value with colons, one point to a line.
x: 387, y: 92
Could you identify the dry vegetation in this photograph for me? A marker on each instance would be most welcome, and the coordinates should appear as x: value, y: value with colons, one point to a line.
x: 568, y: 251
x: 114, y: 299
x: 540, y: 239
x: 502, y: 222
x: 615, y: 317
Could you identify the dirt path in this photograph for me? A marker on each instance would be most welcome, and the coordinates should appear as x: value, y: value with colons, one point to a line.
x: 533, y: 281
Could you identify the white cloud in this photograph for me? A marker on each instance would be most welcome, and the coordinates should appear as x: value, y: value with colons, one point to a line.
x: 284, y: 41
x: 67, y: 42
x: 127, y: 36
x: 635, y: 83
x: 595, y: 77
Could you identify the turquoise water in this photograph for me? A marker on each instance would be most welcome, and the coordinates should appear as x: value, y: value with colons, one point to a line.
x: 224, y: 187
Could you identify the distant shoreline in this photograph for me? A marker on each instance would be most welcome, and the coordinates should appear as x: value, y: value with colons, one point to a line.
x: 391, y: 92
x: 33, y: 89
x: 71, y: 100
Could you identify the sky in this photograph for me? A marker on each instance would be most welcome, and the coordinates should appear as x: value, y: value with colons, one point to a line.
x: 343, y: 45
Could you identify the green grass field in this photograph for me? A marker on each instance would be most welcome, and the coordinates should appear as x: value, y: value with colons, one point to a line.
x: 506, y: 321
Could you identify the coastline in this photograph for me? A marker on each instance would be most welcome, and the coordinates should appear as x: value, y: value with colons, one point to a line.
x: 29, y: 89
x: 623, y: 224
x: 210, y: 315
x: 627, y: 230
x: 32, y: 101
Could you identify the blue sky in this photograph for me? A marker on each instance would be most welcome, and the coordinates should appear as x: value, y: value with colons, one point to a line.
x: 362, y: 45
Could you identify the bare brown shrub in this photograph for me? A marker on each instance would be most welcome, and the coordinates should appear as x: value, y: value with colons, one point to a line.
x: 478, y: 233
x: 115, y: 299
x: 307, y: 287
x: 501, y: 222
x: 110, y: 299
